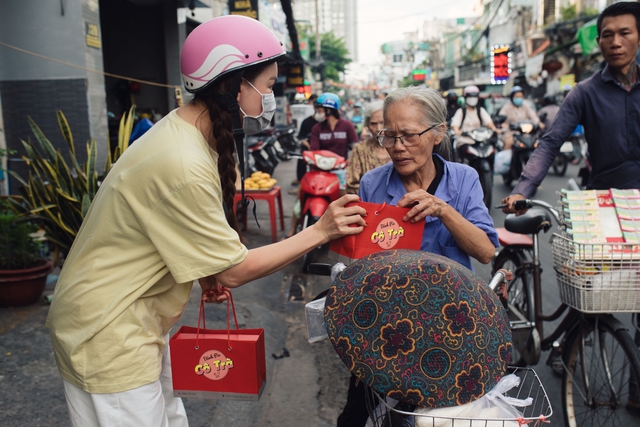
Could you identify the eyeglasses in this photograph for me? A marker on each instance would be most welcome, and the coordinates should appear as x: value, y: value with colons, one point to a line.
x: 408, y: 140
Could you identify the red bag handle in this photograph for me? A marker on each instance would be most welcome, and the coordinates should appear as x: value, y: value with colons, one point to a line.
x: 377, y: 211
x: 230, y: 306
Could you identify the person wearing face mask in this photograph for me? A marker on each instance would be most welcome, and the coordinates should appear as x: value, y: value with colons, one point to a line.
x: 470, y: 117
x: 164, y: 218
x: 303, y: 136
x: 516, y: 111
x: 333, y: 133
x: 369, y: 154
x: 452, y: 105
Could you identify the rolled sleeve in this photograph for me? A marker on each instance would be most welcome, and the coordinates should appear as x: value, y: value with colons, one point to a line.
x: 548, y: 148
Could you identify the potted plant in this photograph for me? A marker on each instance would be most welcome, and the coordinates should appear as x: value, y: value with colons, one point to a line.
x: 23, y: 269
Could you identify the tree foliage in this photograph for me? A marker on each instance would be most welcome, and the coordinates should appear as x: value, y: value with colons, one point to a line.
x: 334, y: 52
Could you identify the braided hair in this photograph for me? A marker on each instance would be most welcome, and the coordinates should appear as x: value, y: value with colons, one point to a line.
x: 221, y: 137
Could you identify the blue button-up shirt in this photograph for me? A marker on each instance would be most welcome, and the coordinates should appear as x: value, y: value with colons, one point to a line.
x: 460, y: 188
x: 611, y: 118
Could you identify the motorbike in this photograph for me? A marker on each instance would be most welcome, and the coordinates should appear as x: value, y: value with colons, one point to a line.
x: 480, y: 156
x: 263, y: 155
x: 525, y: 140
x: 318, y: 188
x: 286, y: 135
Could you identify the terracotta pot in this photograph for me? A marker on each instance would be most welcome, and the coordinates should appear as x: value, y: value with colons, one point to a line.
x: 23, y: 287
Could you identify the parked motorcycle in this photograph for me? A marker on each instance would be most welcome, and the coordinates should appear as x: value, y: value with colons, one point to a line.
x: 525, y: 140
x: 480, y: 156
x: 263, y: 155
x: 286, y: 135
x: 318, y: 188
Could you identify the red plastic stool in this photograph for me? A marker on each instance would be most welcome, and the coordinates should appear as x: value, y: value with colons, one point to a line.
x: 270, y: 196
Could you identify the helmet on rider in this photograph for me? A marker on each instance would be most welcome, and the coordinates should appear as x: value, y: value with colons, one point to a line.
x: 223, y: 45
x: 471, y: 91
x: 329, y: 100
x: 452, y: 97
x: 515, y: 90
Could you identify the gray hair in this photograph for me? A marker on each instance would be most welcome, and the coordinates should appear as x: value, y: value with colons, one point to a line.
x: 434, y: 112
x: 371, y: 108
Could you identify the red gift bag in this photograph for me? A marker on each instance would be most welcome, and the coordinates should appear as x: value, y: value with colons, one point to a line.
x: 218, y: 364
x: 385, y: 230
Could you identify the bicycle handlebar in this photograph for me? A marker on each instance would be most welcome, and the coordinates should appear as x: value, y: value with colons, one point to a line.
x: 530, y: 203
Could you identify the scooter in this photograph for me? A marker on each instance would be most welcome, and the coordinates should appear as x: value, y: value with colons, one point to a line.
x: 286, y: 135
x: 318, y: 188
x: 480, y: 156
x: 261, y: 154
x: 525, y: 140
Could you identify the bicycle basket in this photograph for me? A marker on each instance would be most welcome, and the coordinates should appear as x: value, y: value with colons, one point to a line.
x: 597, y: 278
x: 390, y: 414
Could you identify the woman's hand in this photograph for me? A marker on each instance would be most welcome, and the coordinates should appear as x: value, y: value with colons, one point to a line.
x: 212, y: 291
x: 422, y: 205
x: 339, y: 220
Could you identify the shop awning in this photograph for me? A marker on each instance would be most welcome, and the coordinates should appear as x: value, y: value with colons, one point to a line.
x: 587, y: 35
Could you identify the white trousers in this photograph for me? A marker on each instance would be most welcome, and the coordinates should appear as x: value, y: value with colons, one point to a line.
x: 152, y: 405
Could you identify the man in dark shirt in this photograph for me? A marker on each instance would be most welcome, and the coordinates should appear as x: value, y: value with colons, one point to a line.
x: 303, y: 136
x: 607, y: 105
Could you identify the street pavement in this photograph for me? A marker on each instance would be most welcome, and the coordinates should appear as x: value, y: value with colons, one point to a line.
x: 306, y: 383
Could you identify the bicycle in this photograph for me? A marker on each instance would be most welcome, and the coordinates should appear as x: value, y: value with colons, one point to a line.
x: 599, y: 358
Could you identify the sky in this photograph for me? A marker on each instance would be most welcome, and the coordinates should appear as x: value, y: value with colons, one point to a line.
x: 381, y: 21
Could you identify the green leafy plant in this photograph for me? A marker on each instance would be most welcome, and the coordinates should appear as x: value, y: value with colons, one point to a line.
x: 18, y: 249
x: 59, y: 194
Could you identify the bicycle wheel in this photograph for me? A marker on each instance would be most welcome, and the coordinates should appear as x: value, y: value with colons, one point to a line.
x: 520, y: 307
x: 599, y: 363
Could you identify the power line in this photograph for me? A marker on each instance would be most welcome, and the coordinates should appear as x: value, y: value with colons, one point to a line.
x: 91, y: 70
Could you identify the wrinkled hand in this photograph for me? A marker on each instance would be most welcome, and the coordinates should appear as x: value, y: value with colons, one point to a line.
x: 509, y: 201
x: 422, y: 205
x: 340, y: 221
x: 212, y: 291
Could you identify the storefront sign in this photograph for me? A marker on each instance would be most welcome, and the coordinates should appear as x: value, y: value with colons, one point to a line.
x: 500, y: 64
x: 244, y: 7
x: 295, y: 74
x: 92, y: 35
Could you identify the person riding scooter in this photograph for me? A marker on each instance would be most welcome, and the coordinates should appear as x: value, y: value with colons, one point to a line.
x: 516, y: 111
x: 470, y: 117
x: 333, y: 133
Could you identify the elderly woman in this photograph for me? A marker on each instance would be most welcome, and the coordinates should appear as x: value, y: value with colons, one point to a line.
x: 368, y: 154
x: 446, y: 195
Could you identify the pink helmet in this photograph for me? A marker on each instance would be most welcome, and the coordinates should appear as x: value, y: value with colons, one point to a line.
x: 224, y: 44
x: 471, y: 90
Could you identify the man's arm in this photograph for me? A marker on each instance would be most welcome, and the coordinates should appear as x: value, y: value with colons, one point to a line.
x: 314, y: 140
x: 568, y: 118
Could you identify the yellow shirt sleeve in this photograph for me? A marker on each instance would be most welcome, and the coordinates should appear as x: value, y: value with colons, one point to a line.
x: 191, y: 234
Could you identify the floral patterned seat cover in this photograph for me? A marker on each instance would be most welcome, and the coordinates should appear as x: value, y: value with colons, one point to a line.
x: 419, y: 328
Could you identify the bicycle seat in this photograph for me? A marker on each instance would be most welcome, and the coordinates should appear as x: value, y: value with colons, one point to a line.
x: 507, y: 238
x: 529, y: 223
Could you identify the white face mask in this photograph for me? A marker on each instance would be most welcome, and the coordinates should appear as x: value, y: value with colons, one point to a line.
x: 257, y: 124
x: 472, y: 101
x: 320, y: 117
